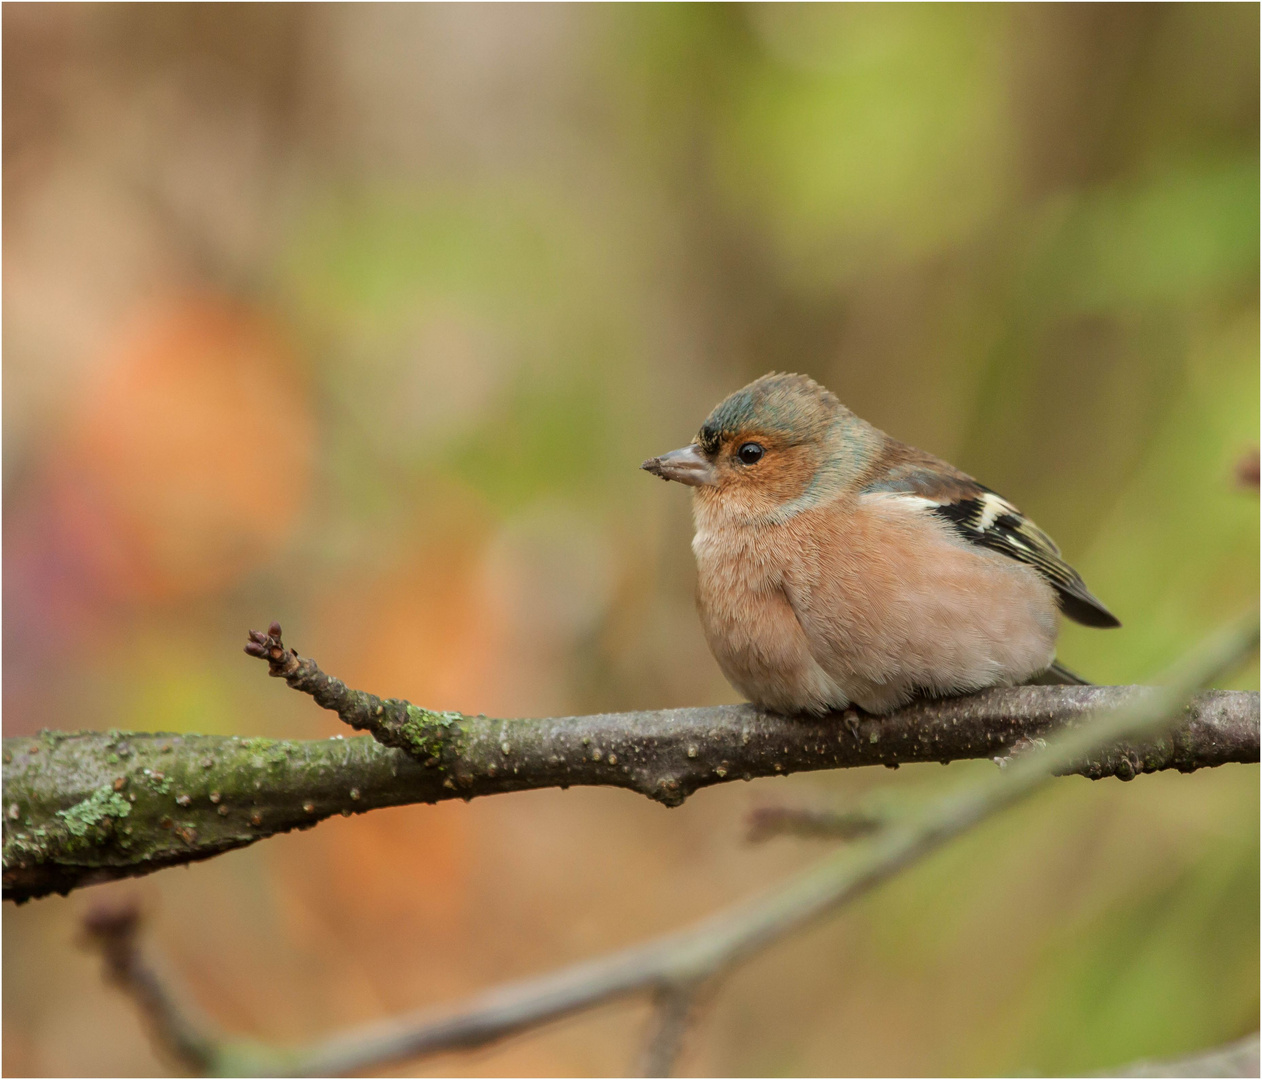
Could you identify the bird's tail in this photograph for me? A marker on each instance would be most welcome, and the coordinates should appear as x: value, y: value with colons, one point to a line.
x: 1057, y: 675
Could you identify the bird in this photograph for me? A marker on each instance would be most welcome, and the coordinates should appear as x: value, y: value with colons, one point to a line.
x: 838, y: 567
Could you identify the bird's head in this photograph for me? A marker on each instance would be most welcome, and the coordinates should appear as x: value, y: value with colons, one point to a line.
x: 773, y: 447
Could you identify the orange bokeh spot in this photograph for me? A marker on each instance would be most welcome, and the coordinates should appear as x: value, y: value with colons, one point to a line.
x: 190, y: 457
x: 417, y: 629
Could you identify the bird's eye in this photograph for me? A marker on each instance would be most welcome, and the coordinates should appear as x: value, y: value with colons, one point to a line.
x: 749, y: 453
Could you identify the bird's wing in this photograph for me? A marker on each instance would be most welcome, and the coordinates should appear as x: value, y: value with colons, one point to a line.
x: 986, y: 519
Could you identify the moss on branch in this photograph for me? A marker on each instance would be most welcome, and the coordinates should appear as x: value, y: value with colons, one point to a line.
x: 678, y: 967
x: 83, y: 807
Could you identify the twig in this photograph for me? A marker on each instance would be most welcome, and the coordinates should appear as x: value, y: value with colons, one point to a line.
x: 1249, y: 470
x: 689, y: 959
x: 112, y: 930
x: 672, y: 1009
x: 1240, y: 1058
x: 768, y: 821
x: 84, y: 807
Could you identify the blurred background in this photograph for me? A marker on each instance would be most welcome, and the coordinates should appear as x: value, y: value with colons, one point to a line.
x: 363, y: 317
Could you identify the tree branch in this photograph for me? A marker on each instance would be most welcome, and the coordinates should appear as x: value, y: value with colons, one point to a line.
x: 679, y: 964
x: 112, y: 930
x: 808, y: 823
x: 1240, y: 1058
x: 672, y: 1009
x: 85, y: 807
x: 181, y: 1033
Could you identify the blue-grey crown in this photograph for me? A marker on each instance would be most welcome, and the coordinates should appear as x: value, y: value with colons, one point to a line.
x: 794, y: 407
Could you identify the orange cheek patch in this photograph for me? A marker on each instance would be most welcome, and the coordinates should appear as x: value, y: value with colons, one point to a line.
x: 755, y: 490
x: 782, y: 474
x: 788, y: 472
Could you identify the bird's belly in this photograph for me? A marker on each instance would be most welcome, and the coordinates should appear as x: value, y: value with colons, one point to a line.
x: 881, y: 611
x: 894, y: 611
x: 754, y: 633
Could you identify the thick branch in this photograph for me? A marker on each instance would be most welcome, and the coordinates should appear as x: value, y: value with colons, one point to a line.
x: 676, y: 967
x: 85, y: 807
x: 668, y: 755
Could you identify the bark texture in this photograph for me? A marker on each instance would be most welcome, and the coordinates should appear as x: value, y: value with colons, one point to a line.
x: 678, y: 968
x: 84, y: 807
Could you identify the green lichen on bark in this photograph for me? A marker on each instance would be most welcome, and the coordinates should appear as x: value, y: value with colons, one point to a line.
x: 98, y: 811
x: 195, y: 796
x: 91, y: 822
x: 427, y: 734
x: 85, y: 806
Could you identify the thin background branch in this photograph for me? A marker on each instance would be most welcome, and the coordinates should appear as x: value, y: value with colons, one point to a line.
x: 1240, y: 1058
x: 672, y: 1010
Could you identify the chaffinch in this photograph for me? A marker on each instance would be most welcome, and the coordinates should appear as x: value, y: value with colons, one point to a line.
x: 837, y: 566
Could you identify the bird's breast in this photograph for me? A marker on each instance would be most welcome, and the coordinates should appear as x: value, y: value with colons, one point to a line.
x: 749, y: 623
x: 865, y: 603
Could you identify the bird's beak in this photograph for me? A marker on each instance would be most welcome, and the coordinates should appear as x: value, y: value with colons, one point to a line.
x: 688, y: 465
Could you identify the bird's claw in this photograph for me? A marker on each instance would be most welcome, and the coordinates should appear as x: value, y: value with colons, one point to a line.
x: 850, y: 718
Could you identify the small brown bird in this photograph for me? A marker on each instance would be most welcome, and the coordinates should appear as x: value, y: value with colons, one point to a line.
x: 837, y: 566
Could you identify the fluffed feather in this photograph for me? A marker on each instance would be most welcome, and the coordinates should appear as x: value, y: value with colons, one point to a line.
x: 987, y: 519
